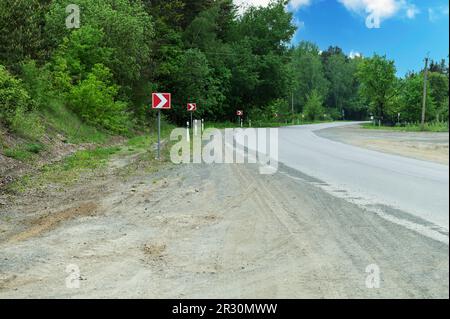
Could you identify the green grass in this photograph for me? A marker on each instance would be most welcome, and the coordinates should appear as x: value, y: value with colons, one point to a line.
x: 415, y: 127
x: 17, y: 154
x: 256, y: 124
x: 68, y: 124
x: 70, y: 170
x: 23, y: 152
x: 67, y: 171
x: 88, y: 159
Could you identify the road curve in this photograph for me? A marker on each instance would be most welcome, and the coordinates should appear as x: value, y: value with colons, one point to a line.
x: 416, y: 187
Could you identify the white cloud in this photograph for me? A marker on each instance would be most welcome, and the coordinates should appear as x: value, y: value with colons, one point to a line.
x: 375, y: 11
x: 434, y: 14
x: 297, y: 4
x: 378, y: 10
x: 298, y: 23
x: 293, y: 4
x: 244, y: 4
x: 412, y: 11
x: 354, y: 54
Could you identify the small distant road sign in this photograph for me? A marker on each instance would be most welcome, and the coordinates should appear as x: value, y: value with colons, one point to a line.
x: 191, y: 107
x: 161, y: 101
x: 240, y: 113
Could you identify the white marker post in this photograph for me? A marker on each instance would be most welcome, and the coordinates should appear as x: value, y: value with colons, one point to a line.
x: 187, y: 131
x: 159, y: 135
x: 203, y: 125
x: 191, y: 108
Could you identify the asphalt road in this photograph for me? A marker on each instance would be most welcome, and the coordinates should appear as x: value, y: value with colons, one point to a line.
x: 392, y: 184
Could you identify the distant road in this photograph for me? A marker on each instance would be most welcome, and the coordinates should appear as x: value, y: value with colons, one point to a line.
x: 413, y: 186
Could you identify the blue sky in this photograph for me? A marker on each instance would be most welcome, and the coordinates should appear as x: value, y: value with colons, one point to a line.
x: 404, y: 30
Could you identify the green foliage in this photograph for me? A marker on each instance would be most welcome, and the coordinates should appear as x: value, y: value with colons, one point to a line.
x: 128, y: 30
x: 68, y: 171
x: 411, y: 100
x: 16, y: 107
x: 342, y: 98
x: 88, y: 159
x: 24, y: 152
x: 21, y: 34
x: 308, y: 73
x: 377, y: 77
x: 94, y: 101
x: 412, y: 127
x: 279, y: 108
x: 13, y: 96
x: 18, y: 154
x: 196, y: 84
x: 69, y: 125
x: 439, y: 91
x: 38, y: 83
x: 27, y: 124
x: 97, y: 80
x: 80, y: 51
x: 314, y: 106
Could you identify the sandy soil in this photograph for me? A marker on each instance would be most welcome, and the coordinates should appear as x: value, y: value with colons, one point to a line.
x: 201, y: 231
x: 419, y: 145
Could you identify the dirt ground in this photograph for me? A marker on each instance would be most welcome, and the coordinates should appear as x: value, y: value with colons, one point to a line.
x: 208, y: 231
x: 419, y: 145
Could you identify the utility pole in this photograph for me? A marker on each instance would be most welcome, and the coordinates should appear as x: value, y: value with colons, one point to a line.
x: 424, y: 104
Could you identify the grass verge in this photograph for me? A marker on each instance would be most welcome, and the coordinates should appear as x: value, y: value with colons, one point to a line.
x: 429, y: 127
x: 70, y: 170
x: 67, y: 171
x: 259, y: 124
x: 23, y: 152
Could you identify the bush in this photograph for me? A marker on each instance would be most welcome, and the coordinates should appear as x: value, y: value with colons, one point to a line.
x: 27, y: 124
x: 314, y: 106
x: 13, y: 96
x: 37, y: 82
x: 411, y: 100
x: 94, y: 101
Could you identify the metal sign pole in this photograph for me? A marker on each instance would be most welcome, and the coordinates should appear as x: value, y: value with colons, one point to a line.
x: 159, y: 135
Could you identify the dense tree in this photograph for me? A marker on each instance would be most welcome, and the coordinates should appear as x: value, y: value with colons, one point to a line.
x: 411, y: 98
x: 308, y: 73
x: 377, y: 77
x: 439, y: 67
x: 439, y: 90
x: 200, y: 51
x: 21, y: 31
x: 194, y: 83
x: 314, y: 106
x: 128, y: 30
x: 340, y: 75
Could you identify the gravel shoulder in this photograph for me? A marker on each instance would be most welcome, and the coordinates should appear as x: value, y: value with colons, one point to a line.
x: 209, y: 231
x: 425, y: 146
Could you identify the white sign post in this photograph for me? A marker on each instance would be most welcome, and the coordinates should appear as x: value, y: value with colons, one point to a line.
x: 187, y: 132
x: 161, y: 101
